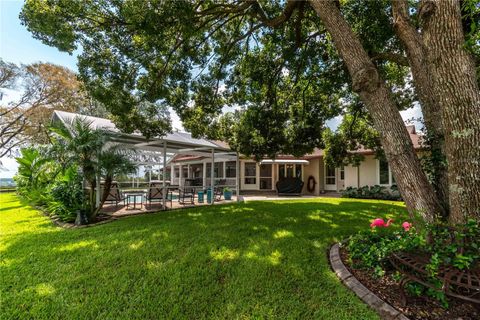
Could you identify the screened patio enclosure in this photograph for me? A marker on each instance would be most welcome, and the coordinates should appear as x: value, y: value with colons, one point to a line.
x: 160, y: 151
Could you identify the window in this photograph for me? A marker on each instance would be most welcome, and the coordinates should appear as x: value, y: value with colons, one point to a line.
x: 230, y: 169
x: 342, y: 173
x: 177, y: 172
x: 329, y: 175
x: 266, y: 176
x: 281, y: 171
x: 298, y: 171
x: 383, y: 172
x: 289, y: 171
x: 217, y: 172
x: 250, y: 173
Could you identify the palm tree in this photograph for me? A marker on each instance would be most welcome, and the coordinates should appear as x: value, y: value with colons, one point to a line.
x: 77, y: 143
x: 113, y: 162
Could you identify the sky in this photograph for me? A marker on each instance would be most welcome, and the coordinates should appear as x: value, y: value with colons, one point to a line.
x: 18, y: 46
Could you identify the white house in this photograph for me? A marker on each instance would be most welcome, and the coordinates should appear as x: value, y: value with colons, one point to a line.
x: 262, y: 176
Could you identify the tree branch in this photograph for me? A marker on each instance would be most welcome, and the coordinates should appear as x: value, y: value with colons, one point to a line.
x: 392, y: 57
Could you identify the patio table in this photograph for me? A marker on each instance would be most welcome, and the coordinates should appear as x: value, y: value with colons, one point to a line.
x: 132, y: 197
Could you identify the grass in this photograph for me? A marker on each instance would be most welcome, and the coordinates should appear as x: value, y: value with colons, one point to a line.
x: 256, y: 260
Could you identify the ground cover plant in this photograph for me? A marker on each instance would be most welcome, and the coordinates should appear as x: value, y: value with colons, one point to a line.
x: 249, y: 260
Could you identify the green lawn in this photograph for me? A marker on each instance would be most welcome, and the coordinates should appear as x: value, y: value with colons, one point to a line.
x: 256, y: 260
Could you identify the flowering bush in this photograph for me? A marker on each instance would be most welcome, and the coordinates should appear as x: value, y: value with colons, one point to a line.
x: 371, y: 248
x: 445, y: 245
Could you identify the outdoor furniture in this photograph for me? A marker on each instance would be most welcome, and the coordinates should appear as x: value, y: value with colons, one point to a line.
x: 186, y: 193
x: 462, y: 284
x: 289, y: 186
x: 158, y: 193
x: 200, y: 197
x: 131, y: 198
x: 218, y: 190
x: 114, y: 195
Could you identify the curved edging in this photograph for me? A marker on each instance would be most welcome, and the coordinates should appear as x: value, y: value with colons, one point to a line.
x: 385, y: 310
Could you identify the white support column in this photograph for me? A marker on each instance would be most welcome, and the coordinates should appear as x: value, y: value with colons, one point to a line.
x: 224, y: 169
x: 172, y: 173
x: 188, y: 171
x: 237, y: 178
x: 164, y: 176
x: 212, y: 176
x: 180, y: 176
x: 204, y: 175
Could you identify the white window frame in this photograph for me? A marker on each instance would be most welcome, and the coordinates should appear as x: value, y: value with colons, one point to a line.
x: 244, y: 176
x: 329, y: 186
x: 261, y: 177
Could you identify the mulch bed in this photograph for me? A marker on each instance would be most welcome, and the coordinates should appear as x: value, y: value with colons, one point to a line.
x: 423, y: 307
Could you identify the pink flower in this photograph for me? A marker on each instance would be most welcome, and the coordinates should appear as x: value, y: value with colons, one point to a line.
x: 406, y: 226
x: 380, y: 223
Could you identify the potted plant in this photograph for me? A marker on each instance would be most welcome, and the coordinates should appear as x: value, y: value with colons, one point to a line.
x: 227, y: 193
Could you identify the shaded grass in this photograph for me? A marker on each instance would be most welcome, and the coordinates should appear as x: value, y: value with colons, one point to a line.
x: 241, y: 261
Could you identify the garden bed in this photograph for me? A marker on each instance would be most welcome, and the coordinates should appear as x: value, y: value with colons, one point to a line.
x: 422, y: 307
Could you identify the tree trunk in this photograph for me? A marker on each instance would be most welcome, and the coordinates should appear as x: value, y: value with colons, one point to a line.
x: 106, y: 190
x: 91, y: 196
x: 412, y: 182
x: 432, y: 113
x: 456, y: 88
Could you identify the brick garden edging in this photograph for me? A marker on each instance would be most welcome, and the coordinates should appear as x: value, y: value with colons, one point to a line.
x: 385, y: 310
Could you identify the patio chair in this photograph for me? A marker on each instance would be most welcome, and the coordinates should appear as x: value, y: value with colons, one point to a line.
x: 114, y: 196
x: 218, y: 190
x: 187, y: 192
x: 157, y: 192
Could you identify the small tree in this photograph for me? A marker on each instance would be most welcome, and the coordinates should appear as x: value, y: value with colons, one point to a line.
x: 111, y: 163
x: 77, y: 143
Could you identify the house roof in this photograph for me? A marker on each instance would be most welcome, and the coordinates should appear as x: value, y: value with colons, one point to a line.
x: 177, y: 142
x: 316, y: 153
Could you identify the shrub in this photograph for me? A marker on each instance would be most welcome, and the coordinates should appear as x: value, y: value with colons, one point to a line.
x: 66, y: 195
x: 373, y: 192
x: 458, y: 246
x: 370, y: 249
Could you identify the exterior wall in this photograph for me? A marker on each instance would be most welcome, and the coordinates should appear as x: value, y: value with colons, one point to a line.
x: 364, y: 175
x: 368, y: 171
x: 351, y: 176
x: 312, y: 169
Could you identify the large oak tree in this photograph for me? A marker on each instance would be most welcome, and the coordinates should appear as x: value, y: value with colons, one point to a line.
x: 288, y: 66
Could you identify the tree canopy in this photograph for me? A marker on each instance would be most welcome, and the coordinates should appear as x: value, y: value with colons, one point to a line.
x: 42, y: 88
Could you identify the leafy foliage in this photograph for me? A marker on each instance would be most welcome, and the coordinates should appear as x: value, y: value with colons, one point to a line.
x: 371, y: 249
x: 281, y: 76
x: 456, y: 246
x: 43, y: 87
x: 53, y: 177
x: 372, y: 192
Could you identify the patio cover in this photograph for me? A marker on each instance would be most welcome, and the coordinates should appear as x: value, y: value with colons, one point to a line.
x: 150, y: 151
x: 176, y: 142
